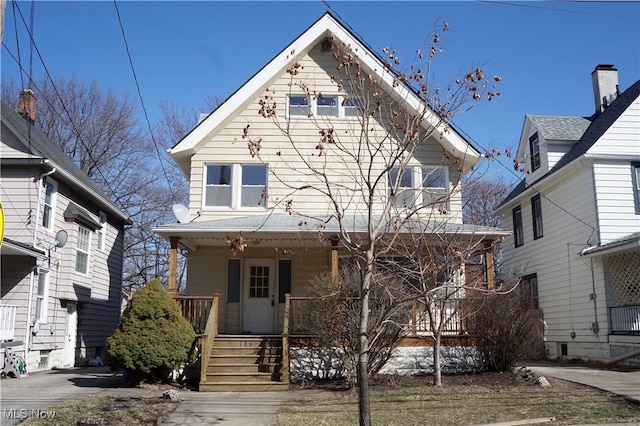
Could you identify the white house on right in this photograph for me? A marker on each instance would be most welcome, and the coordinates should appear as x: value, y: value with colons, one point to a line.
x: 575, y: 222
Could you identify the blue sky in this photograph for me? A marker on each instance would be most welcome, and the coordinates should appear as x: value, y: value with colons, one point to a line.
x: 185, y: 51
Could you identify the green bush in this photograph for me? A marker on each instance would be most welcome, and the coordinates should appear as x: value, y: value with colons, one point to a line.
x: 152, y: 337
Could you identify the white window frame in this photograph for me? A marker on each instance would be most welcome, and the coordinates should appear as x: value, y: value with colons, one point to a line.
x: 51, y: 205
x: 236, y: 188
x: 81, y: 249
x: 342, y: 110
x: 534, y: 150
x: 425, y: 171
x: 42, y: 296
x: 102, y: 232
x: 418, y: 175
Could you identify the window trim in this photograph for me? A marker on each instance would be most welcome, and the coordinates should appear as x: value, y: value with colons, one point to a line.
x: 635, y: 180
x: 80, y: 250
x: 102, y: 232
x: 312, y: 103
x: 535, y: 163
x: 536, y: 217
x: 42, y: 315
x: 52, y: 205
x: 235, y: 187
x: 518, y: 229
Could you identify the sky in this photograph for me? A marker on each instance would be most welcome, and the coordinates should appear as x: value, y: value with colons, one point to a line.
x: 183, y: 52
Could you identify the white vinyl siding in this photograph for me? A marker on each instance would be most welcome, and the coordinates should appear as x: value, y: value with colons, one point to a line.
x: 622, y: 138
x: 83, y: 248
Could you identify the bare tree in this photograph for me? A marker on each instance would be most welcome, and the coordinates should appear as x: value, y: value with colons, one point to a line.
x: 361, y: 168
x: 481, y: 195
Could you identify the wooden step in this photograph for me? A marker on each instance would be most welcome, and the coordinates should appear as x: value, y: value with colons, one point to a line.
x: 243, y: 368
x: 242, y: 377
x: 220, y: 342
x: 244, y: 350
x: 242, y: 386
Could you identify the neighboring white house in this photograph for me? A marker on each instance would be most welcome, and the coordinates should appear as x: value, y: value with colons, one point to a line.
x: 62, y: 250
x: 279, y: 252
x: 575, y: 219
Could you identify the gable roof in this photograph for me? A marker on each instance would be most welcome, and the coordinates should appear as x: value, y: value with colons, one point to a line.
x: 327, y: 25
x: 40, y: 145
x: 599, y: 125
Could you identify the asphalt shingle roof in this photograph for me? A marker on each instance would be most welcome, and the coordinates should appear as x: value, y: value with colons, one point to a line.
x: 560, y: 128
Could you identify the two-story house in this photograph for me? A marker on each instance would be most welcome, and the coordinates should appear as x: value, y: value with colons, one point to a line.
x: 62, y: 249
x: 575, y: 219
x: 252, y: 247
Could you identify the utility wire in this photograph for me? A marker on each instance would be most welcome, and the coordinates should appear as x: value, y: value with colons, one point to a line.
x: 144, y: 109
x: 583, y: 12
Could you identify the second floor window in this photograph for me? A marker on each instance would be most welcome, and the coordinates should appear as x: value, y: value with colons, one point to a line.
x: 419, y: 186
x: 102, y: 232
x: 635, y: 178
x: 48, y: 208
x: 42, y: 297
x: 518, y: 231
x: 536, y: 213
x: 534, y: 149
x: 82, y: 250
x: 236, y: 185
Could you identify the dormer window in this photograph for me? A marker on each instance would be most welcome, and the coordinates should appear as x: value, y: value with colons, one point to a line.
x: 534, y: 149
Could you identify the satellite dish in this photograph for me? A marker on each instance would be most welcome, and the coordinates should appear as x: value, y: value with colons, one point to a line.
x: 61, y: 238
x: 181, y: 213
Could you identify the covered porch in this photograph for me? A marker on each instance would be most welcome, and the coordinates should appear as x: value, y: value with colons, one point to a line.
x: 249, y: 276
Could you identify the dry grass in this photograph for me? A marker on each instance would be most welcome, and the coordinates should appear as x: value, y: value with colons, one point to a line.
x: 108, y: 410
x: 465, y: 400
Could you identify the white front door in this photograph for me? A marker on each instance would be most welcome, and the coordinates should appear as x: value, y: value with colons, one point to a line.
x: 259, y: 296
x: 70, y: 338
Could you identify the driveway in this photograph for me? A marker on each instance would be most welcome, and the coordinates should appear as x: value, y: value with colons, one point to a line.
x: 40, y: 390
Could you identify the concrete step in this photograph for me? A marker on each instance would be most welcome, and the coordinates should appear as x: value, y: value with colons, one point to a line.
x: 242, y: 386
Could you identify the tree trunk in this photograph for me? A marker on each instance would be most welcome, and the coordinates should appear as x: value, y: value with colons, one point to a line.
x: 364, y: 404
x: 437, y: 370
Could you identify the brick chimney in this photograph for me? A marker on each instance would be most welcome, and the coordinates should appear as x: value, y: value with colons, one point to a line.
x: 605, y: 86
x: 27, y: 105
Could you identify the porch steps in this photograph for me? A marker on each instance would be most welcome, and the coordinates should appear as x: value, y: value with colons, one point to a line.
x: 247, y: 363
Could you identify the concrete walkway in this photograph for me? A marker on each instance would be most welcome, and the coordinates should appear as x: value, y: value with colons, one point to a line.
x: 626, y: 384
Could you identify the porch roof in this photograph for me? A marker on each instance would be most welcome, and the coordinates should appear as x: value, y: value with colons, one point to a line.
x: 282, y: 226
x: 625, y: 243
x: 17, y: 248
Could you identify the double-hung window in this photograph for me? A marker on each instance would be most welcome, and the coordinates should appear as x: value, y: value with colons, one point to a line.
x: 536, y: 213
x: 518, y: 231
x: 48, y: 208
x: 635, y: 179
x: 530, y: 291
x: 435, y: 184
x: 235, y: 186
x: 404, y: 195
x: 102, y: 232
x: 534, y: 149
x: 83, y: 247
x: 42, y: 297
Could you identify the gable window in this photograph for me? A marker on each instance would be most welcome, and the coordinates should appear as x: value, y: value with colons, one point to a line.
x: 299, y: 105
x: 530, y: 291
x: 42, y: 297
x: 218, y: 186
x: 83, y: 246
x: 635, y: 178
x: 518, y: 232
x: 236, y: 186
x: 327, y: 106
x: 534, y: 149
x: 102, y: 232
x: 404, y: 196
x: 353, y: 107
x: 48, y: 210
x: 536, y: 213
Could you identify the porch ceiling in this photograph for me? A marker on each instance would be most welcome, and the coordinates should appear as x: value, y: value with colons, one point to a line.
x: 278, y: 229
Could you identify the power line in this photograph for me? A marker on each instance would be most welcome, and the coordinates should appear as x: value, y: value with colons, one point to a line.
x: 555, y: 9
x: 144, y: 109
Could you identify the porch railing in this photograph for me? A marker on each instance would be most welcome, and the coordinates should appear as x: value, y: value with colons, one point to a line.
x: 7, y: 322
x: 206, y: 340
x: 196, y: 310
x: 625, y: 319
x: 417, y: 318
x: 285, y: 338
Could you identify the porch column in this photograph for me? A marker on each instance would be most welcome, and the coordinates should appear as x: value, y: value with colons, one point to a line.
x: 173, y: 266
x: 334, y: 258
x: 488, y: 255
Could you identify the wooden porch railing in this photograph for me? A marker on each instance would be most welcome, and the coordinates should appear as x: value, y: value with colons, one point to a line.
x: 625, y: 319
x: 7, y: 322
x: 206, y: 340
x: 417, y: 324
x: 196, y: 310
